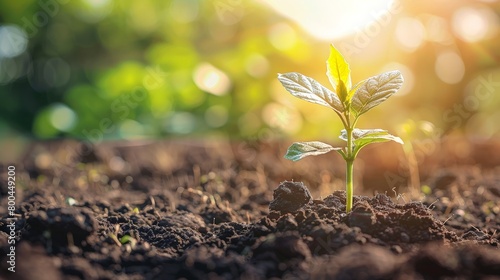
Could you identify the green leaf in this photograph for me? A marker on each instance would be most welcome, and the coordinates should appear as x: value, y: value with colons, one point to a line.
x: 375, y: 90
x: 300, y: 150
x: 363, y: 137
x: 310, y: 90
x: 342, y: 92
x: 337, y: 70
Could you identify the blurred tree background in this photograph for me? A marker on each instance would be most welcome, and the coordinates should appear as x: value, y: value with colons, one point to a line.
x: 109, y: 69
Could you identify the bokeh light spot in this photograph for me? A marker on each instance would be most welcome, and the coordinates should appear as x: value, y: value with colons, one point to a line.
x: 437, y: 29
x: 62, y: 117
x: 410, y: 33
x: 93, y: 11
x: 449, y: 67
x: 97, y: 3
x: 131, y: 129
x: 472, y: 24
x: 278, y: 116
x: 180, y: 123
x: 117, y: 164
x: 210, y: 79
x: 13, y: 41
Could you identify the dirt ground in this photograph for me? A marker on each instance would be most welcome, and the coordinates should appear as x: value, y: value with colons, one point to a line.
x: 221, y: 210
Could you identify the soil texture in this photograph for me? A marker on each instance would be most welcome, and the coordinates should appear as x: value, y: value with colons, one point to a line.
x: 213, y: 210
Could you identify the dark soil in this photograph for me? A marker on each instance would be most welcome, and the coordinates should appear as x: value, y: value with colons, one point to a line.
x: 208, y: 210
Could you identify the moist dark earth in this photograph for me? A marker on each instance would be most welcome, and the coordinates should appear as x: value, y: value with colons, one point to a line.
x: 238, y: 210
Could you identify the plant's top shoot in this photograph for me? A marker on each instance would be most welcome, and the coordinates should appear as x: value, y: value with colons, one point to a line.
x: 349, y: 103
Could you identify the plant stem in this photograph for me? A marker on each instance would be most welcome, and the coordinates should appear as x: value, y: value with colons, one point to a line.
x: 349, y: 169
x: 349, y: 185
x: 349, y: 161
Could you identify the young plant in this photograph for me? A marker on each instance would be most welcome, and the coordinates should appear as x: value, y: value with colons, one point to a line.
x: 349, y: 103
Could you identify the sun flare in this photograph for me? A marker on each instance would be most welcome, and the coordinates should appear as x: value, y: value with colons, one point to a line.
x: 327, y: 20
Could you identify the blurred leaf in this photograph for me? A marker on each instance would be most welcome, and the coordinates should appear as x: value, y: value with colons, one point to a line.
x: 42, y: 126
x: 173, y: 56
x: 122, y: 79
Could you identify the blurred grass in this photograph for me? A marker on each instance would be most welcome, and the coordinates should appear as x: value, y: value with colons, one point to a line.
x: 108, y: 69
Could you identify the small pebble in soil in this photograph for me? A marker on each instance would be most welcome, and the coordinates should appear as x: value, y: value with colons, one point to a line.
x: 290, y: 197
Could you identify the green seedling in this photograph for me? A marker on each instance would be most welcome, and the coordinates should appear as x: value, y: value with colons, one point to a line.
x: 128, y: 239
x: 419, y: 140
x: 349, y: 103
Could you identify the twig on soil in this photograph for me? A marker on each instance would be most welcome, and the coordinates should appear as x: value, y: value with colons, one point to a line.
x: 394, y: 191
x: 448, y: 219
x: 398, y: 196
x: 115, y: 239
x: 429, y: 207
x: 153, y: 202
x: 114, y: 236
x: 476, y: 228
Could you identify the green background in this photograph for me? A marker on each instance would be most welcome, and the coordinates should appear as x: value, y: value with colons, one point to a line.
x: 154, y: 69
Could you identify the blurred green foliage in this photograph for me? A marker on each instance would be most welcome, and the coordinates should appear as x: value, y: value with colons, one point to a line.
x: 109, y: 69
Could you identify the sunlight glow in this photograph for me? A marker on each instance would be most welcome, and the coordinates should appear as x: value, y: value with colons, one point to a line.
x: 281, y: 117
x: 436, y: 29
x: 327, y: 20
x: 97, y: 3
x: 282, y: 36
